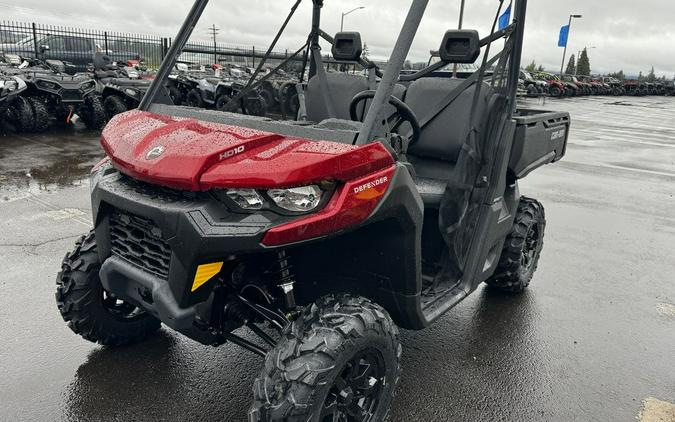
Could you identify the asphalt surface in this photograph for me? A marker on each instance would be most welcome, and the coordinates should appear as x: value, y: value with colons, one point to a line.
x: 590, y: 341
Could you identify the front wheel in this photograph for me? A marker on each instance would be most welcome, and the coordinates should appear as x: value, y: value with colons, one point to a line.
x: 555, y: 91
x: 522, y: 248
x: 89, y: 310
x: 92, y: 113
x: 339, y: 361
x: 41, y: 117
x: 114, y: 105
x: 20, y: 114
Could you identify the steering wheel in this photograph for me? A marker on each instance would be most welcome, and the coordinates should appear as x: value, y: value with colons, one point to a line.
x: 402, y: 115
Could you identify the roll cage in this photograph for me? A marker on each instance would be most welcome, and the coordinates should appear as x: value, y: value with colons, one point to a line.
x: 501, y: 70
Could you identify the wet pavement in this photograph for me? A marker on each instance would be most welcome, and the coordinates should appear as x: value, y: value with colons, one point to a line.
x: 591, y: 340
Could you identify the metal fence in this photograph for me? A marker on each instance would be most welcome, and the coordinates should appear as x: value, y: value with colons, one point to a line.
x: 78, y: 46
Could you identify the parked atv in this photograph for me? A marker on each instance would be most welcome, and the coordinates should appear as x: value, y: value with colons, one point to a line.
x: 635, y: 88
x: 556, y: 88
x: 616, y: 85
x: 120, y: 88
x: 385, y: 209
x: 14, y: 108
x: 253, y: 103
x: 533, y: 86
x: 55, y: 94
x: 578, y: 86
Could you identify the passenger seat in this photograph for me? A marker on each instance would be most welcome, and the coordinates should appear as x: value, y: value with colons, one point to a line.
x: 435, y: 155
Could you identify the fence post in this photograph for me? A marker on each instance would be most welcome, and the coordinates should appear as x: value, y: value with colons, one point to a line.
x: 35, y: 41
x: 163, y: 49
x: 105, y: 41
x: 253, y: 57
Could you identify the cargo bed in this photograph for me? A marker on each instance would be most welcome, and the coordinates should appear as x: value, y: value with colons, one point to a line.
x: 541, y: 138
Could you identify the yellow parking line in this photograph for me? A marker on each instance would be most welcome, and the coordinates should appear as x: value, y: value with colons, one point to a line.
x: 655, y: 410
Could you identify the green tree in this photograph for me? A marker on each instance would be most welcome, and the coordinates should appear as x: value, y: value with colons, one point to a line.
x: 540, y: 68
x: 651, y: 76
x: 571, y: 66
x: 641, y: 77
x: 532, y: 67
x: 618, y: 75
x: 584, y: 64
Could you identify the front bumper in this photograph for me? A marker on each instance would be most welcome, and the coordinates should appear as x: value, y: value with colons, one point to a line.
x: 188, y: 228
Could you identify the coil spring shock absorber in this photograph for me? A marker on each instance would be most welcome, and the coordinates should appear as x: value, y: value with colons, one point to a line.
x: 285, y: 279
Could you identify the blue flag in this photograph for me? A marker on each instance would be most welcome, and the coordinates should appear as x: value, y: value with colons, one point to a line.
x: 564, y: 32
x: 505, y: 18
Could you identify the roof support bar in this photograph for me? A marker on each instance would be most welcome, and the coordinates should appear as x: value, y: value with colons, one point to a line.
x: 157, y: 92
x: 390, y: 77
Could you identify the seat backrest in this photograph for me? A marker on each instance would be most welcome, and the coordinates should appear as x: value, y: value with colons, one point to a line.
x: 342, y: 86
x: 443, y: 137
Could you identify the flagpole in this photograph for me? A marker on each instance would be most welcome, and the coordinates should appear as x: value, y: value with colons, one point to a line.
x: 569, y: 30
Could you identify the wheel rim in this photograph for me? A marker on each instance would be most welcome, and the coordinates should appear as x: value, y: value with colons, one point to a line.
x: 357, y: 391
x: 530, y: 249
x: 119, y: 308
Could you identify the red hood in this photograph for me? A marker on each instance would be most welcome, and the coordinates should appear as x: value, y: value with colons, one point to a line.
x: 197, y: 155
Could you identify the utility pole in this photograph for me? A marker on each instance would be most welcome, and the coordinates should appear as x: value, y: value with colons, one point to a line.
x: 214, y: 32
x: 569, y: 30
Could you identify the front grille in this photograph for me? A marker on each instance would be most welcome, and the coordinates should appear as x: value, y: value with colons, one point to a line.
x: 71, y: 95
x: 139, y: 241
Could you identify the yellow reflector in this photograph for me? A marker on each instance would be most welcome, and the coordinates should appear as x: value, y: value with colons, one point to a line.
x: 205, y: 272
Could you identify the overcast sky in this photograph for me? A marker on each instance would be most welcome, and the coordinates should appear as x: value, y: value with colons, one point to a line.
x: 628, y: 35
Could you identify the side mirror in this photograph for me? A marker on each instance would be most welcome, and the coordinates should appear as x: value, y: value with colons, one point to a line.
x: 347, y: 46
x: 44, y: 48
x: 460, y: 46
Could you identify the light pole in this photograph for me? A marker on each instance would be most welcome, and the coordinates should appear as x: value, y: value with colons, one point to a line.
x: 569, y: 28
x: 576, y: 68
x: 342, y: 22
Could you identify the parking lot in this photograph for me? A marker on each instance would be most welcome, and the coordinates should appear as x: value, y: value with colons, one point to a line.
x: 590, y: 341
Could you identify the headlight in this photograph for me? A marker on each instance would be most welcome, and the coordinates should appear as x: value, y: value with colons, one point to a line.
x: 131, y: 92
x: 302, y: 199
x: 247, y: 199
x: 47, y: 85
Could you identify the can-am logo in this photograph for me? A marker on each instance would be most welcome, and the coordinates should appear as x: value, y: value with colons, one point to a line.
x: 155, y: 152
x: 558, y: 134
x: 372, y: 184
x: 232, y: 152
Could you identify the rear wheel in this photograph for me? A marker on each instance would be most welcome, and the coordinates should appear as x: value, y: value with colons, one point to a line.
x: 555, y: 91
x: 522, y: 248
x: 40, y: 114
x: 339, y: 361
x: 114, y: 105
x: 89, y: 310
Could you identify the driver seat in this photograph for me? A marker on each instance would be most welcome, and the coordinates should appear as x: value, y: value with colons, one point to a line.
x: 342, y: 86
x: 434, y: 156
